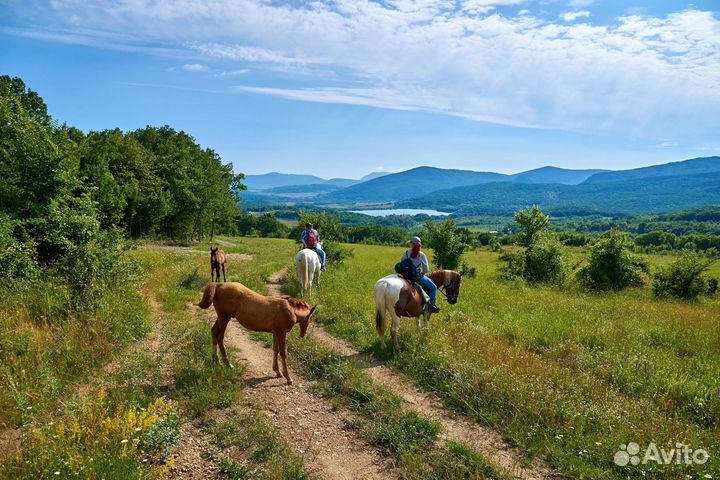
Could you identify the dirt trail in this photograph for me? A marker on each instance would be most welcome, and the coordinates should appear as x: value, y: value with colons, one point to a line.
x: 309, y: 424
x: 482, y: 439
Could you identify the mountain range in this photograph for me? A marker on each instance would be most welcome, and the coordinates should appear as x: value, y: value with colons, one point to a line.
x: 655, y: 189
x: 274, y: 180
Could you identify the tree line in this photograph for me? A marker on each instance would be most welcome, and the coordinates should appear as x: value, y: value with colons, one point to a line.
x: 62, y: 190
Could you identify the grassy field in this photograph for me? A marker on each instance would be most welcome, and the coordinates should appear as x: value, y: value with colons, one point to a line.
x: 563, y: 374
x: 85, y: 407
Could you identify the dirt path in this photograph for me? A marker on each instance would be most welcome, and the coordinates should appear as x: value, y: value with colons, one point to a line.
x: 309, y: 424
x: 480, y: 438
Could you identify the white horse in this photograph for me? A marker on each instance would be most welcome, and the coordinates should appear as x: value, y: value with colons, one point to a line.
x: 308, y: 269
x: 401, y: 299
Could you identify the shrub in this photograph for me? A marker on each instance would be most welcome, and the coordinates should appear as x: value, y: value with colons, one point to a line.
x: 544, y: 259
x: 17, y: 262
x: 611, y: 265
x: 682, y: 279
x: 448, y: 244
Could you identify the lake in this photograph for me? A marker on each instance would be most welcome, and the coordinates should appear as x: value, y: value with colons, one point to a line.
x: 401, y: 211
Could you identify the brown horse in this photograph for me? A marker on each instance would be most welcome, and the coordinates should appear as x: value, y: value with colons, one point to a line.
x: 218, y: 260
x: 402, y: 299
x: 276, y: 315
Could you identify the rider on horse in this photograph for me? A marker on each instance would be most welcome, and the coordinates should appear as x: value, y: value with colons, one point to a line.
x: 420, y: 262
x: 311, y: 239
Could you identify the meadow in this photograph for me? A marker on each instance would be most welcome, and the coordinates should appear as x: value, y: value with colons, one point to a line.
x: 561, y: 373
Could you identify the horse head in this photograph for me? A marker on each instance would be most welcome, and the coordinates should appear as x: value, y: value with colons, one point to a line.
x: 303, y: 312
x: 452, y: 290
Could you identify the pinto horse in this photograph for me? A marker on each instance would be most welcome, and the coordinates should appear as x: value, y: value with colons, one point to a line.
x: 218, y: 260
x: 258, y: 313
x: 308, y: 266
x: 402, y: 299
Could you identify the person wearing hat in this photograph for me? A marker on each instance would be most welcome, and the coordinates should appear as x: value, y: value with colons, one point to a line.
x: 311, y: 239
x: 420, y: 261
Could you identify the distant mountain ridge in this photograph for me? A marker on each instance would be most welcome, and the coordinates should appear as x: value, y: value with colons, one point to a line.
x: 274, y: 180
x: 650, y: 193
x: 655, y: 189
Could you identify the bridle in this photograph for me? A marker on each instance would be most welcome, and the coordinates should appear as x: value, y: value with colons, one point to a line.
x: 443, y: 290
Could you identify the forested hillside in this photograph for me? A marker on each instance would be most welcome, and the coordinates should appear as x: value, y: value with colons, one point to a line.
x: 61, y: 189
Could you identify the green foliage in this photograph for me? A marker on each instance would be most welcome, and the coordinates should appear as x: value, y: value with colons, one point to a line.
x: 447, y: 242
x: 684, y: 278
x: 265, y: 225
x: 611, y: 265
x: 543, y: 259
x: 531, y: 222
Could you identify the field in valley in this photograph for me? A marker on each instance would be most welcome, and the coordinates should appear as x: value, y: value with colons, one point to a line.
x: 563, y: 374
x: 565, y: 377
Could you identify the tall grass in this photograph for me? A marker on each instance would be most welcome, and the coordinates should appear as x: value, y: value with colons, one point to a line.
x: 561, y: 373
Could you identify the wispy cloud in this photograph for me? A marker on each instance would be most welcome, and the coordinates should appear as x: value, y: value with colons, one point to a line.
x: 195, y: 67
x: 667, y: 145
x: 233, y: 73
x: 637, y: 75
x: 572, y: 16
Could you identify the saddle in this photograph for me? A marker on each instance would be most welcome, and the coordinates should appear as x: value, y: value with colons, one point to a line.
x: 421, y: 291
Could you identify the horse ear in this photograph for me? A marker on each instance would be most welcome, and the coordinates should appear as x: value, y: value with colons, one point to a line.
x: 312, y: 310
x: 461, y: 274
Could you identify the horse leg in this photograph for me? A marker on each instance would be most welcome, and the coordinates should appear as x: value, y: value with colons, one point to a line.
x: 214, y: 331
x: 426, y: 317
x: 276, y: 350
x: 395, y: 329
x: 224, y: 279
x: 380, y: 325
x: 282, y: 347
x: 221, y: 340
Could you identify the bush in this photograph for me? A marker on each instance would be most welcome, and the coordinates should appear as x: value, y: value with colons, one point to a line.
x: 683, y: 279
x: 447, y: 242
x: 611, y: 265
x: 544, y: 259
x: 17, y: 262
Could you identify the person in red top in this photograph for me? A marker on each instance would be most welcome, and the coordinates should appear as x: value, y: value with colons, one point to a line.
x: 311, y: 239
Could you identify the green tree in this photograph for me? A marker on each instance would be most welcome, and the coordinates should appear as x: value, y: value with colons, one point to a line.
x: 531, y: 221
x: 447, y: 242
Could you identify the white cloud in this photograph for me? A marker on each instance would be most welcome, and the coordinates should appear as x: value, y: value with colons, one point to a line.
x: 196, y: 67
x: 233, y: 73
x: 639, y: 75
x: 572, y: 16
x: 667, y: 145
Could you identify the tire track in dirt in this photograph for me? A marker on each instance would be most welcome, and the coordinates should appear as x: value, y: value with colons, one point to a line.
x: 482, y: 439
x: 324, y: 436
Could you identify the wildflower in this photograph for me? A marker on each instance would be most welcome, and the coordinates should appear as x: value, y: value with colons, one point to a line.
x: 124, y: 441
x: 57, y: 473
x: 707, y: 475
x: 598, y: 444
x: 137, y: 429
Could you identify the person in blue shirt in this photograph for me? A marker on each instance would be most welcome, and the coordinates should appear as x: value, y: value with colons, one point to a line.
x: 311, y: 239
x: 420, y: 262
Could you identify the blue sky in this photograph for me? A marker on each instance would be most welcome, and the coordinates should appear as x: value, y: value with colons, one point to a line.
x: 341, y: 88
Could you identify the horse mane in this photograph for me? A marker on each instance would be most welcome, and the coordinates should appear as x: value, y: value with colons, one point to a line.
x: 296, y: 303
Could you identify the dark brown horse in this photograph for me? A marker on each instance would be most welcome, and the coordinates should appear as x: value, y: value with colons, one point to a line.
x: 218, y: 260
x: 276, y: 315
x: 402, y: 299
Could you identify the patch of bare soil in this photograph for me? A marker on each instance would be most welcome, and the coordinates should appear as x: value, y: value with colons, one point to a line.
x: 193, y: 459
x: 10, y: 441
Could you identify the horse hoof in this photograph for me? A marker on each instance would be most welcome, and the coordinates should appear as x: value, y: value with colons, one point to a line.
x: 229, y: 365
x: 289, y: 382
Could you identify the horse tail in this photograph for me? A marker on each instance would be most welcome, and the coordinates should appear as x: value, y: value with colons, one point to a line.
x: 208, y: 295
x: 380, y: 309
x: 306, y: 273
